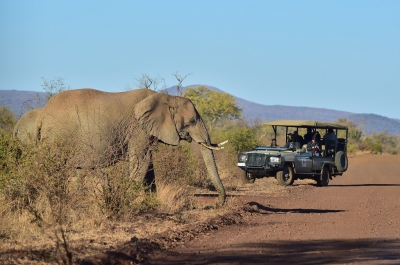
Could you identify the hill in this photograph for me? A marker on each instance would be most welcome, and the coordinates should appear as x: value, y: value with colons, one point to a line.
x: 368, y: 123
x: 20, y: 102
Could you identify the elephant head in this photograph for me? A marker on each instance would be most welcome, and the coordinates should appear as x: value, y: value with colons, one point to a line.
x: 24, y: 130
x: 171, y: 119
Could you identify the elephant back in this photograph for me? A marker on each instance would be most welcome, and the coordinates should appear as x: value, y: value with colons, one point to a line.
x: 97, y: 122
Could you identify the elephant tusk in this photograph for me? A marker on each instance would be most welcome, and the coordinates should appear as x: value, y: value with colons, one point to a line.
x: 221, y: 144
x: 212, y: 147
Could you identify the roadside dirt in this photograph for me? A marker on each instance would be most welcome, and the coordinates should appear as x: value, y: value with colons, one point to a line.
x: 354, y: 220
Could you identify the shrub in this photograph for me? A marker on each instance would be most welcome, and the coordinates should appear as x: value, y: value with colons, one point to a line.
x: 7, y: 120
x: 351, y: 148
x: 241, y: 137
x: 122, y: 196
x: 177, y: 171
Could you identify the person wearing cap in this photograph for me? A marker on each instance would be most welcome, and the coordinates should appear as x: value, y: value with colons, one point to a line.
x: 294, y: 141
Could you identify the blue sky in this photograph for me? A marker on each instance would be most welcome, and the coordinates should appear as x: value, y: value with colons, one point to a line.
x: 342, y: 55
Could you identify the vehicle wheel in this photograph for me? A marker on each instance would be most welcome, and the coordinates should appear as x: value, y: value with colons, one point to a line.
x: 247, y: 177
x: 286, y: 176
x: 323, y: 179
x: 341, y: 161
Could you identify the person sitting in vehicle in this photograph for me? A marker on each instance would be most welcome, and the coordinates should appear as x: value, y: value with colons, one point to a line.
x: 330, y: 136
x: 293, y: 142
x: 295, y: 137
x: 330, y: 141
x: 313, y: 147
x: 298, y: 137
x: 308, y: 136
x: 273, y: 143
x: 317, y: 137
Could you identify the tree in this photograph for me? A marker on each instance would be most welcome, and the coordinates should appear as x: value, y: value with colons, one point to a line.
x: 51, y: 87
x: 355, y: 134
x: 214, y: 107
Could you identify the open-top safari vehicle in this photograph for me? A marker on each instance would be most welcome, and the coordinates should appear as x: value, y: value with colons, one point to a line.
x: 312, y: 157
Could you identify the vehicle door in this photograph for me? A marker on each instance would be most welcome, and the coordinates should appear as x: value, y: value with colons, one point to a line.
x: 303, y: 162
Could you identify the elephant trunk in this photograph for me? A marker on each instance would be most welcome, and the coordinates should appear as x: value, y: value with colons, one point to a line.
x: 209, y: 160
x: 200, y: 135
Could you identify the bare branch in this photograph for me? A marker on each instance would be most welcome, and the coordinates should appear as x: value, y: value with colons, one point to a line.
x: 180, y: 80
x: 150, y: 82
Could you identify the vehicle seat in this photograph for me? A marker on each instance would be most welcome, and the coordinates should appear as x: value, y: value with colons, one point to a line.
x: 293, y: 145
x: 296, y: 145
x: 341, y: 144
x: 330, y: 147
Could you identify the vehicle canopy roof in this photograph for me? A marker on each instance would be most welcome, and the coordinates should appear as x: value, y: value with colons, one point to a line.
x: 307, y: 123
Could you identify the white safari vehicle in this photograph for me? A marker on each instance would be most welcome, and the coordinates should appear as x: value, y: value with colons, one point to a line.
x: 319, y: 158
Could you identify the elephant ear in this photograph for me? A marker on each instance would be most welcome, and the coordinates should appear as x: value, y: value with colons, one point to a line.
x: 155, y: 117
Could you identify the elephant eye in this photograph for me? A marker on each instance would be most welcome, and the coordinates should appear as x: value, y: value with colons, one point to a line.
x: 192, y: 122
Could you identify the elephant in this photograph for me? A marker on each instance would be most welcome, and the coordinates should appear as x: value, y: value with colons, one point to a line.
x: 24, y: 130
x: 108, y: 127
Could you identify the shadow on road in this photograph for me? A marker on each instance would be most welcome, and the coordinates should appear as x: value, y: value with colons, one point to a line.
x: 371, y: 251
x: 365, y: 185
x: 257, y: 206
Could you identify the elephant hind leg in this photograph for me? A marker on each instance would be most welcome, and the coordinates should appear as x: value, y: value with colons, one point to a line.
x: 150, y: 178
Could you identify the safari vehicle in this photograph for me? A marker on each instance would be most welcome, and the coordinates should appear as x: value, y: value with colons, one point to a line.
x: 320, y: 159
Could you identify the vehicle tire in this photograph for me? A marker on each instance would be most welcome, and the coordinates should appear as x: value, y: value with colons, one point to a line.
x: 286, y: 176
x: 323, y: 179
x: 247, y: 177
x: 341, y: 161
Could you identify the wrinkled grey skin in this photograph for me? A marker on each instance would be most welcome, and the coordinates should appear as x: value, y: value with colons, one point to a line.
x: 24, y: 130
x: 109, y: 127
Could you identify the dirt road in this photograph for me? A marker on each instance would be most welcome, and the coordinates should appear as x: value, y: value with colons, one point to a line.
x: 354, y: 220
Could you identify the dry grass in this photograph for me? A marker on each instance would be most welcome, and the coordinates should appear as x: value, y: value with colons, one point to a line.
x: 46, y: 203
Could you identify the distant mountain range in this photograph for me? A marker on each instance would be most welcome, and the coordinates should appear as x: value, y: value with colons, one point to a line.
x: 18, y: 101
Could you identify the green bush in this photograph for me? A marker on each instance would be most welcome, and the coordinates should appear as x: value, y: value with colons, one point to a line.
x: 378, y: 143
x: 352, y: 148
x: 241, y: 138
x: 7, y: 120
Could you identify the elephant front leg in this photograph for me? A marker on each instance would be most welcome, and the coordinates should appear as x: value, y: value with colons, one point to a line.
x: 140, y: 163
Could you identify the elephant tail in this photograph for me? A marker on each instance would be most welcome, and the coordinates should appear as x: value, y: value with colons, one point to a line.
x: 38, y: 132
x: 15, y: 131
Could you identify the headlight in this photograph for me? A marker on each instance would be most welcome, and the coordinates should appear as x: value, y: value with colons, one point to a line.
x: 275, y: 159
x: 242, y: 158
